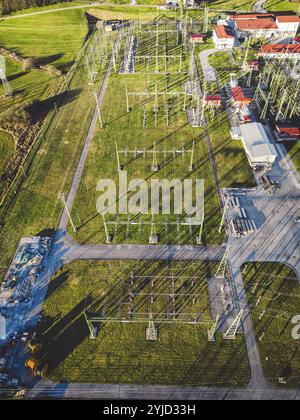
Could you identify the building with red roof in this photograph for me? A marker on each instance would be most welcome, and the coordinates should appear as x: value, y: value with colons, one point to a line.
x: 287, y: 132
x: 224, y: 37
x: 280, y: 51
x: 240, y: 97
x: 264, y: 25
x: 197, y: 38
x: 213, y: 101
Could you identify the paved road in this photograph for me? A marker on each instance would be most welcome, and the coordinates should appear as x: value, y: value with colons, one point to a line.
x: 42, y: 12
x: 208, y: 71
x: 258, y: 7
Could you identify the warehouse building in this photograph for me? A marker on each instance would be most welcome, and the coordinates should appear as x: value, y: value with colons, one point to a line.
x: 260, y: 151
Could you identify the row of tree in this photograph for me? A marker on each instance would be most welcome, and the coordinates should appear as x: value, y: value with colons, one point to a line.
x: 9, y: 6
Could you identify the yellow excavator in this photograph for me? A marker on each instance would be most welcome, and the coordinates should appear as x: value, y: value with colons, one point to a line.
x: 37, y: 367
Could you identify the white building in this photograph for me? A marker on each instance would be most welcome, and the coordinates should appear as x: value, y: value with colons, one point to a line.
x: 223, y: 37
x: 288, y: 25
x: 259, y: 149
x: 264, y: 25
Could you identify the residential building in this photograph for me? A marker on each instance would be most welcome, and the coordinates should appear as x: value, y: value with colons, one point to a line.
x: 223, y: 37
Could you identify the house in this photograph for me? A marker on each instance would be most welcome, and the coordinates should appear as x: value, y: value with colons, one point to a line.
x: 258, y: 148
x: 280, y: 51
x: 253, y: 65
x: 213, y: 101
x: 264, y: 25
x: 288, y: 25
x: 240, y: 97
x: 197, y: 38
x: 223, y: 37
x: 287, y: 132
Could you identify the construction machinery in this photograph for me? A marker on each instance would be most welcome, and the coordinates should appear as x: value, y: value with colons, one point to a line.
x: 33, y: 346
x: 37, y: 367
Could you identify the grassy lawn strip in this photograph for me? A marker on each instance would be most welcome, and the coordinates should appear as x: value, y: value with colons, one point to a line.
x: 231, y: 160
x: 277, y: 291
x: 120, y: 354
x: 36, y: 206
x: 7, y: 148
x: 28, y: 87
x: 294, y: 151
x: 282, y: 6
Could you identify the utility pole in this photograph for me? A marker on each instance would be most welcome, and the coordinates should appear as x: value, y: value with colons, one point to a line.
x: 61, y: 196
x: 224, y: 213
x: 98, y: 108
x: 6, y: 86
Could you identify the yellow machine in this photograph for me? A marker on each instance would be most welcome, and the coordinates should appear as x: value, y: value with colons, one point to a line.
x: 33, y: 347
x: 37, y: 367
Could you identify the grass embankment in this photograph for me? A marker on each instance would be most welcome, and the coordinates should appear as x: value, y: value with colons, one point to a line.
x: 7, y: 148
x: 293, y: 149
x: 52, y: 38
x: 273, y: 292
x: 120, y: 354
x: 36, y: 207
x: 282, y: 6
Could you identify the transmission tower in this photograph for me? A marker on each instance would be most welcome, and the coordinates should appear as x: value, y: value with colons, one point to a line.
x: 221, y: 272
x: 151, y: 331
x: 233, y: 329
x: 92, y: 328
x: 211, y: 333
x: 153, y: 239
x: 6, y: 86
x: 206, y: 18
x: 62, y: 198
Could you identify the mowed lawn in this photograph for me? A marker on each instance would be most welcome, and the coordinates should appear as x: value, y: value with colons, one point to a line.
x: 273, y: 293
x: 120, y: 353
x: 7, y: 148
x: 52, y: 38
x: 283, y: 6
x: 232, y: 164
x: 293, y: 149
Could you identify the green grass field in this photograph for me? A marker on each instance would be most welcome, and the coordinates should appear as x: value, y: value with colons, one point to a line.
x: 120, y: 354
x: 51, y: 170
x: 28, y: 87
x: 274, y: 288
x: 52, y: 38
x: 283, y: 6
x: 231, y: 160
x: 7, y: 148
x: 238, y: 5
x: 293, y: 149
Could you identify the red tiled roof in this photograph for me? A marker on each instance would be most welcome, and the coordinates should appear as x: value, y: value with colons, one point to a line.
x: 280, y: 49
x: 288, y: 131
x: 251, y: 16
x: 224, y: 32
x: 287, y: 19
x: 213, y: 98
x: 196, y: 36
x: 258, y: 24
x: 238, y: 95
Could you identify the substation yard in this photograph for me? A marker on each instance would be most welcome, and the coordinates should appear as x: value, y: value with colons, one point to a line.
x: 126, y: 293
x: 156, y: 124
x: 273, y: 293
